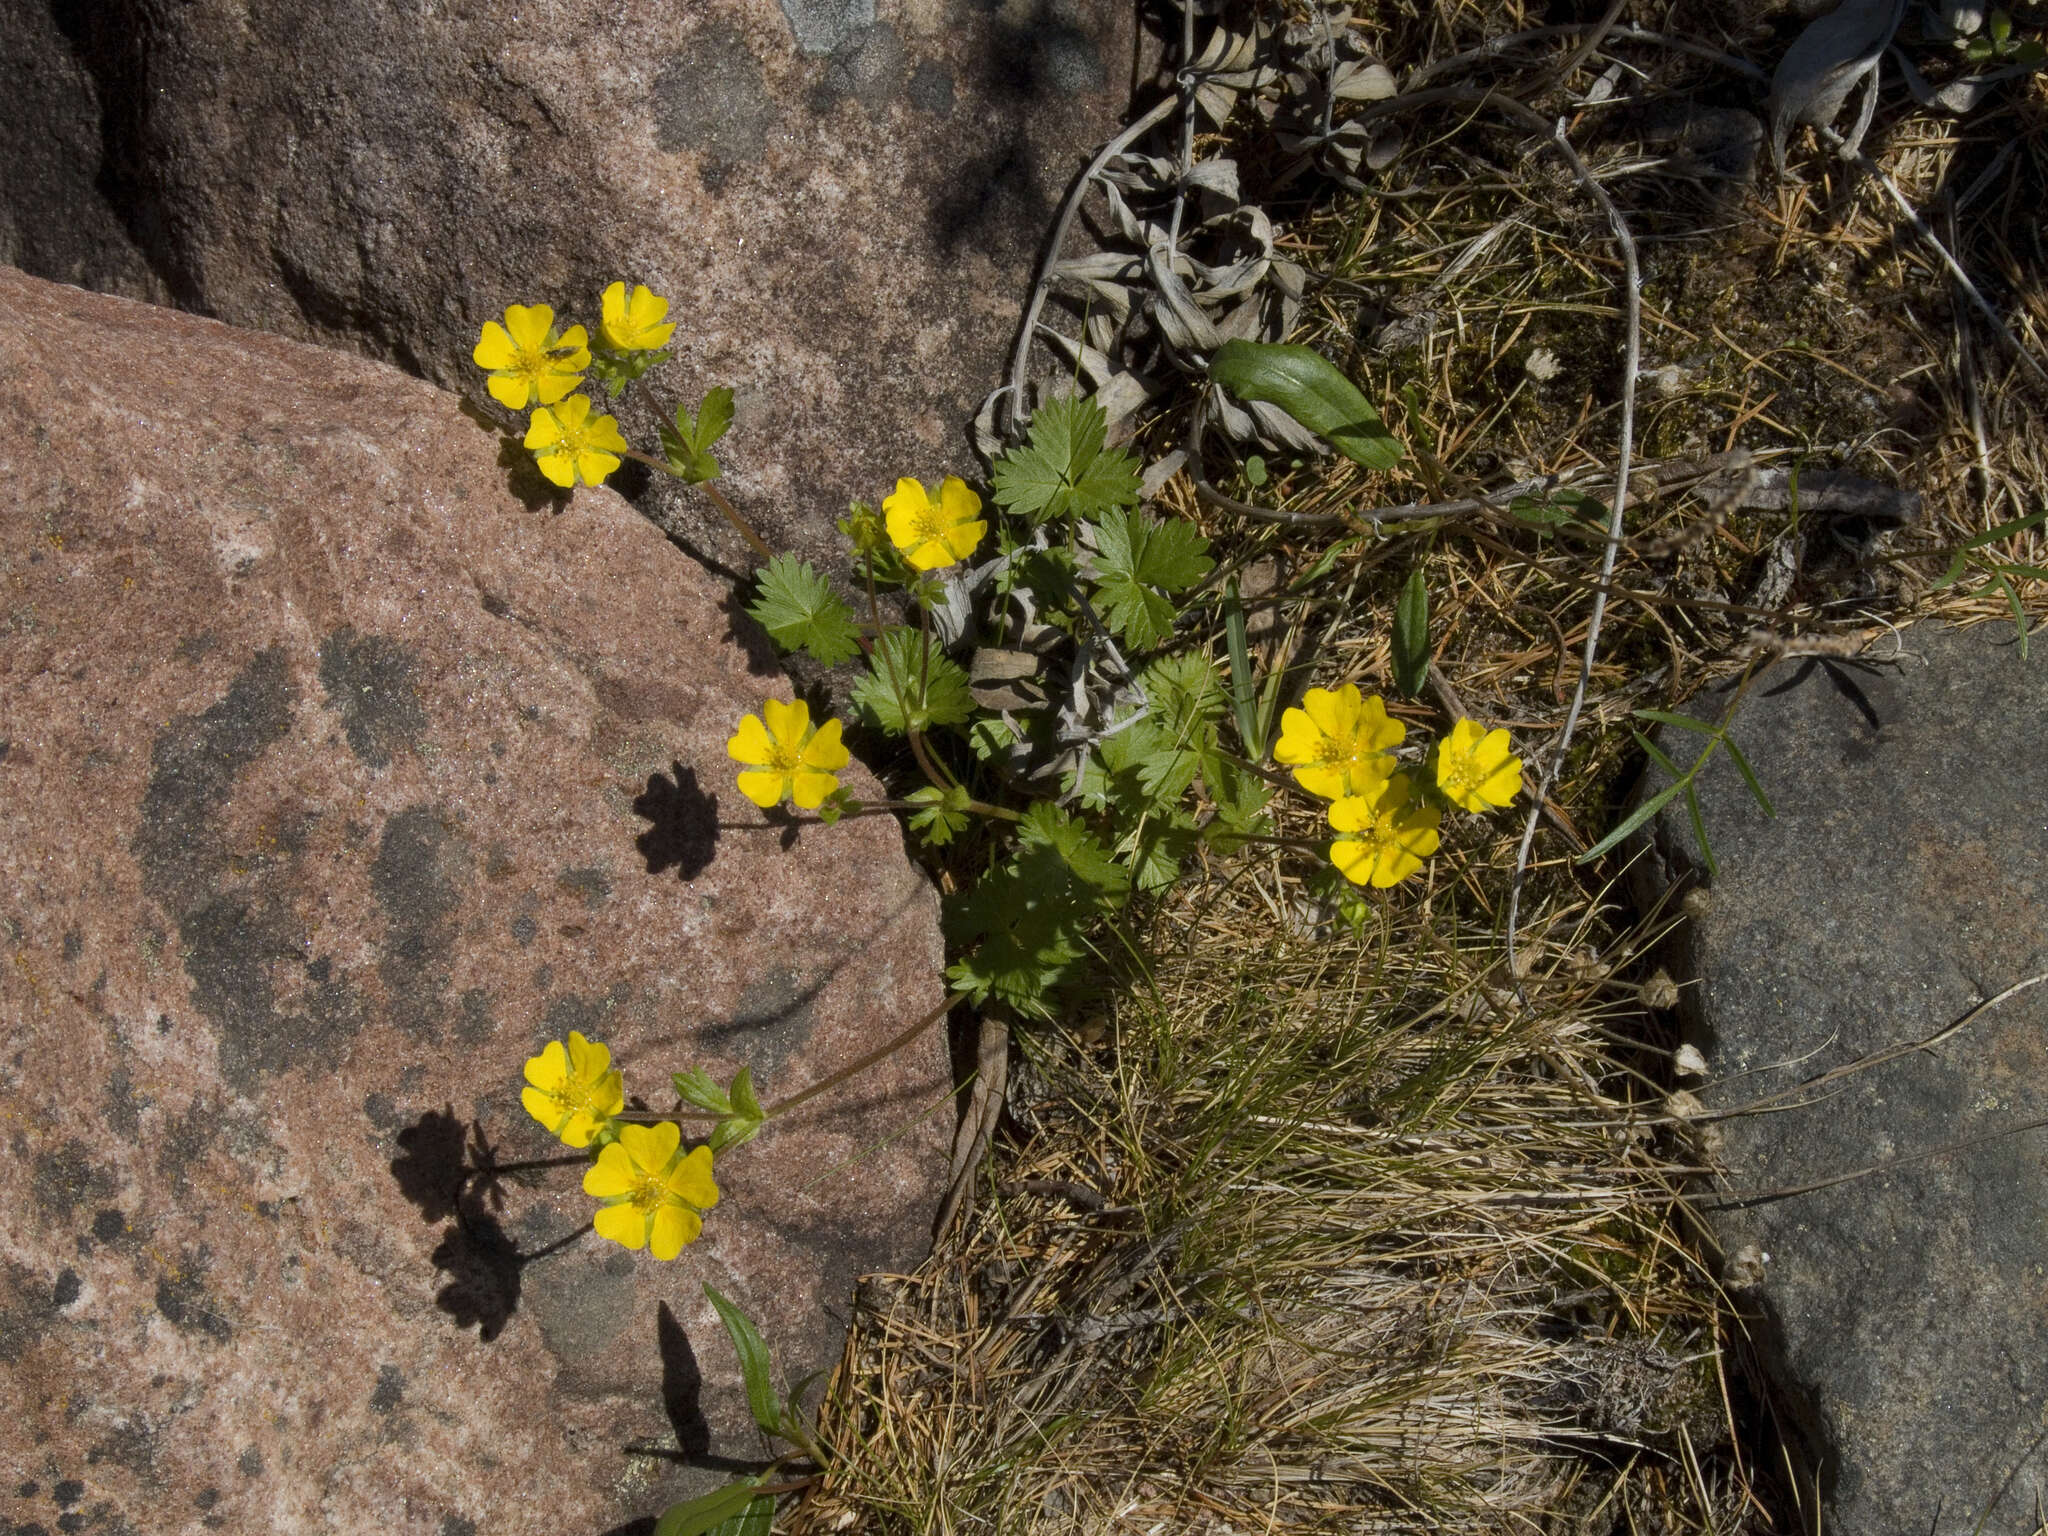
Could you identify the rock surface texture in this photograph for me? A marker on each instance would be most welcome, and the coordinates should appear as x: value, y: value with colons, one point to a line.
x: 1903, y: 883
x: 333, y: 781
x: 844, y: 199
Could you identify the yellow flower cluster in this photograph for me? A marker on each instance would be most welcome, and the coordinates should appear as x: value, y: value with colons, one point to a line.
x: 1341, y: 744
x: 532, y: 364
x: 786, y: 759
x: 651, y: 1193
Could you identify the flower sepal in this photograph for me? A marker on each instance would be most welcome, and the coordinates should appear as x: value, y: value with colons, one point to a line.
x: 615, y: 370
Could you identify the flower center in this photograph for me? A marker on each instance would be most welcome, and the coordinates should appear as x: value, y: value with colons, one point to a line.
x: 576, y: 1098
x: 931, y: 526
x: 1463, y: 778
x: 645, y: 1195
x: 785, y: 757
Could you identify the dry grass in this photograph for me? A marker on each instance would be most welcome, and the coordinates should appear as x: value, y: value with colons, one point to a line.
x: 1298, y: 1228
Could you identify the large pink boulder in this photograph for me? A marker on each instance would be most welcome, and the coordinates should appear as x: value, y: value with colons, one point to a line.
x: 333, y: 782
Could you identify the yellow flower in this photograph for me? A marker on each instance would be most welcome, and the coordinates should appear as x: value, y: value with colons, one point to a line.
x: 574, y: 1093
x: 1475, y: 769
x: 1393, y: 833
x: 652, y: 1193
x: 1338, y: 742
x: 527, y: 360
x: 635, y: 325
x: 787, y: 758
x: 568, y: 442
x: 931, y: 533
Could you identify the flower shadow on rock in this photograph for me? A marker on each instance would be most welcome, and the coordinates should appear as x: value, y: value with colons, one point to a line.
x: 684, y: 834
x: 448, y: 1170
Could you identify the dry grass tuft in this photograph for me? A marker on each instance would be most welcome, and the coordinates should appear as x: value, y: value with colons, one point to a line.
x: 1302, y: 1229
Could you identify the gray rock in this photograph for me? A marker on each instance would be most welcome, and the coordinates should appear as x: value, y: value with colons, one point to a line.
x: 844, y: 210
x: 1903, y: 882
x: 334, y: 780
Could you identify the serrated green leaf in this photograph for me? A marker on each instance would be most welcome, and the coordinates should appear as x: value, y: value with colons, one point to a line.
x: 1047, y: 826
x: 943, y: 817
x: 1138, y: 560
x: 756, y: 1369
x: 1310, y: 388
x: 701, y: 1515
x: 743, y: 1099
x: 801, y: 611
x: 714, y: 419
x: 911, y: 684
x: 1411, y: 635
x: 1063, y: 469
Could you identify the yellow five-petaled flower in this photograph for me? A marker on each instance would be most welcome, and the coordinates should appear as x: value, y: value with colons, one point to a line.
x: 1388, y: 833
x: 634, y: 325
x: 568, y: 443
x: 930, y: 533
x: 652, y: 1192
x: 528, y: 362
x: 1338, y: 742
x: 574, y: 1092
x: 1476, y: 768
x: 786, y: 758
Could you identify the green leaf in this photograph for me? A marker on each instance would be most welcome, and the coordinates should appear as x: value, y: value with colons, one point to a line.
x: 696, y: 1087
x: 1634, y: 819
x: 802, y: 612
x: 615, y: 370
x: 1047, y: 826
x: 1691, y: 723
x: 1138, y: 560
x: 701, y: 1515
x: 1699, y: 830
x: 1748, y: 775
x: 1240, y: 797
x: 1243, y: 702
x: 755, y: 1367
x: 2019, y: 611
x: 714, y: 419
x: 933, y: 687
x: 1411, y: 635
x: 1254, y: 470
x: 1063, y: 469
x: 943, y: 817
x: 1308, y: 387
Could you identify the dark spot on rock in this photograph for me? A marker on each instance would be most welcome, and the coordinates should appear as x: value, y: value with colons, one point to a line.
x: 74, y: 945
x: 232, y: 948
x: 131, y: 1444
x: 773, y: 1020
x: 593, y: 885
x: 820, y: 26
x: 713, y: 100
x: 205, y: 1499
x: 6, y: 747
x: 477, y: 1022
x: 67, y: 1493
x: 187, y: 1305
x: 389, y: 1391
x: 684, y: 833
x: 380, y: 1110
x: 71, y: 1522
x: 411, y: 883
x: 124, y: 1109
x: 195, y: 648
x: 163, y: 1023
x: 186, y: 1140
x: 29, y: 1528
x: 867, y: 65
x: 28, y: 1490
x: 457, y: 1525
x: 250, y: 1462
x: 64, y: 1179
x: 67, y: 1288
x: 581, y: 1306
x: 1069, y: 61
x: 495, y: 605
x: 569, y: 1011
x: 109, y: 1226
x: 369, y: 683
x: 193, y: 764
x: 524, y: 930
x: 931, y: 88
x: 320, y: 970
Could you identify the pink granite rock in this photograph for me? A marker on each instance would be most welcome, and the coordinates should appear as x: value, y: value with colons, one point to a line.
x: 843, y: 198
x: 334, y: 781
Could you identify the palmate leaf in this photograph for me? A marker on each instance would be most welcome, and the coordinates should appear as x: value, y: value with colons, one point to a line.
x: 934, y: 688
x: 801, y: 611
x: 1063, y: 469
x: 1138, y: 560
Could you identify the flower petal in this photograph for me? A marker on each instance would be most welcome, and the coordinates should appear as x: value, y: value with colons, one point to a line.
x: 691, y: 1179
x: 514, y: 391
x: 764, y: 789
x: 787, y: 722
x: 1326, y: 781
x: 1334, y: 713
x: 957, y: 501
x: 611, y: 1175
x: 623, y: 1224
x: 825, y: 751
x: 558, y: 467
x: 674, y: 1228
x: 494, y: 349
x: 528, y: 325
x: 962, y: 538
x: 550, y: 387
x: 604, y: 434
x: 550, y: 1069
x: 751, y: 742
x: 809, y: 788
x: 594, y: 466
x: 1352, y: 858
x: 544, y: 430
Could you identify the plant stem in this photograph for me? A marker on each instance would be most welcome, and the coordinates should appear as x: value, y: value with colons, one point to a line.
x: 865, y: 1062
x: 744, y: 528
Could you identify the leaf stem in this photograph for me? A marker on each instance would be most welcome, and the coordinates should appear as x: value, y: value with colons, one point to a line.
x: 878, y: 1054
